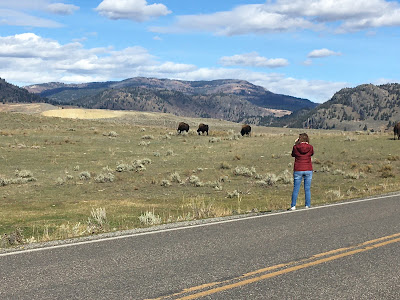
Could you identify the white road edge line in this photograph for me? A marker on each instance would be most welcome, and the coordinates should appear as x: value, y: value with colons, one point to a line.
x: 189, y: 226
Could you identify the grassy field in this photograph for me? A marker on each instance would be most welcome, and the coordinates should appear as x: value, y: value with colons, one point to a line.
x: 68, y: 177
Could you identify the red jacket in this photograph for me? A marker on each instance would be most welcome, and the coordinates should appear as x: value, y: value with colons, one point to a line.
x: 302, y: 153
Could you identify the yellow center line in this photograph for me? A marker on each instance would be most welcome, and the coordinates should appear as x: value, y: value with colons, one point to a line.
x: 207, y: 285
x: 288, y: 270
x: 301, y: 264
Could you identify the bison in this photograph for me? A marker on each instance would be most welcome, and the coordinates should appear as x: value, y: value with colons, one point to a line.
x: 396, y: 130
x: 202, y: 128
x: 246, y: 129
x: 183, y: 127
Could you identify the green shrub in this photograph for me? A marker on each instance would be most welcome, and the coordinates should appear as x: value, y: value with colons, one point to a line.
x: 111, y: 134
x: 233, y: 194
x: 104, y: 177
x: 194, y: 180
x: 214, y: 140
x: 23, y: 173
x: 201, y: 209
x: 386, y: 168
x: 225, y: 166
x: 4, y: 181
x: 139, y: 165
x: 285, y: 177
x: 149, y: 218
x: 354, y: 175
x: 338, y: 172
x: 14, y: 238
x: 393, y: 157
x: 243, y: 171
x: 262, y: 183
x: 165, y: 183
x: 271, y: 179
x: 145, y: 161
x: 123, y: 168
x: 60, y: 181
x: 85, y: 175
x: 216, y: 185
x: 97, y: 220
x: 367, y: 168
x: 107, y: 169
x: 387, y: 174
x: 175, y: 177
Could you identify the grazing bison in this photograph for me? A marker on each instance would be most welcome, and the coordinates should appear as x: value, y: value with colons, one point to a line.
x: 396, y: 130
x: 183, y: 127
x: 246, y: 129
x: 202, y: 128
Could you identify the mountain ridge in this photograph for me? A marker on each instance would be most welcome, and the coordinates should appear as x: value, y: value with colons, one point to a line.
x: 13, y: 94
x: 364, y: 107
x: 256, y: 95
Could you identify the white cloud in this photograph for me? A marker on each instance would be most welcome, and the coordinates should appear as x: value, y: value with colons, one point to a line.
x: 62, y: 9
x: 136, y: 10
x: 169, y: 68
x: 351, y: 15
x: 380, y: 81
x: 322, y: 53
x: 22, y: 12
x: 17, y: 18
x: 307, y: 62
x: 328, y: 10
x: 24, y: 56
x: 253, y: 60
x: 24, y: 4
x: 28, y: 58
x: 289, y: 15
x: 254, y: 18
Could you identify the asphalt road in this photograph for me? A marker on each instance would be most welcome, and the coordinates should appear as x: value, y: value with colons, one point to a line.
x: 346, y: 251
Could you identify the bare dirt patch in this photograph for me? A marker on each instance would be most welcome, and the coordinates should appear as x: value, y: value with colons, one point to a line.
x: 27, y: 108
x: 88, y: 114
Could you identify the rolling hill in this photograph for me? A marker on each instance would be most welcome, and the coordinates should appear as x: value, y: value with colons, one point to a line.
x: 13, y: 94
x: 365, y: 107
x: 233, y: 100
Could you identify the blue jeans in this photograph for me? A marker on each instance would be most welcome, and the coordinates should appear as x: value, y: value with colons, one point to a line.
x: 297, y: 177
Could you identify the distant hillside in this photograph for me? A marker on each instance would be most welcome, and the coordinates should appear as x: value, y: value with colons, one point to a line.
x: 258, y: 96
x: 365, y: 107
x: 219, y: 106
x: 12, y: 94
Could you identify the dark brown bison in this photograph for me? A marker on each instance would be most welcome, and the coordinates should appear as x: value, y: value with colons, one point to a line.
x: 246, y: 129
x: 202, y: 128
x: 396, y: 130
x: 183, y: 127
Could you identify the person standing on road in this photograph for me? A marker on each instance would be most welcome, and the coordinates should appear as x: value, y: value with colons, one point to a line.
x: 303, y: 170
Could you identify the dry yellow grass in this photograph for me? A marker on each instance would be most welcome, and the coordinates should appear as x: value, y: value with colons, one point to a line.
x: 28, y: 108
x: 57, y: 150
x: 84, y: 114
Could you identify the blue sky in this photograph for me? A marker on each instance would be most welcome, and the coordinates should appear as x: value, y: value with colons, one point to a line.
x: 303, y: 48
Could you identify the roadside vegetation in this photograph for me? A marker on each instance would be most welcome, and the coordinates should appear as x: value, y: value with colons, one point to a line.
x: 63, y: 178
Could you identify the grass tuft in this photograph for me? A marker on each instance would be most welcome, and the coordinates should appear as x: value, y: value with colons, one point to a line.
x: 85, y: 175
x: 149, y: 218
